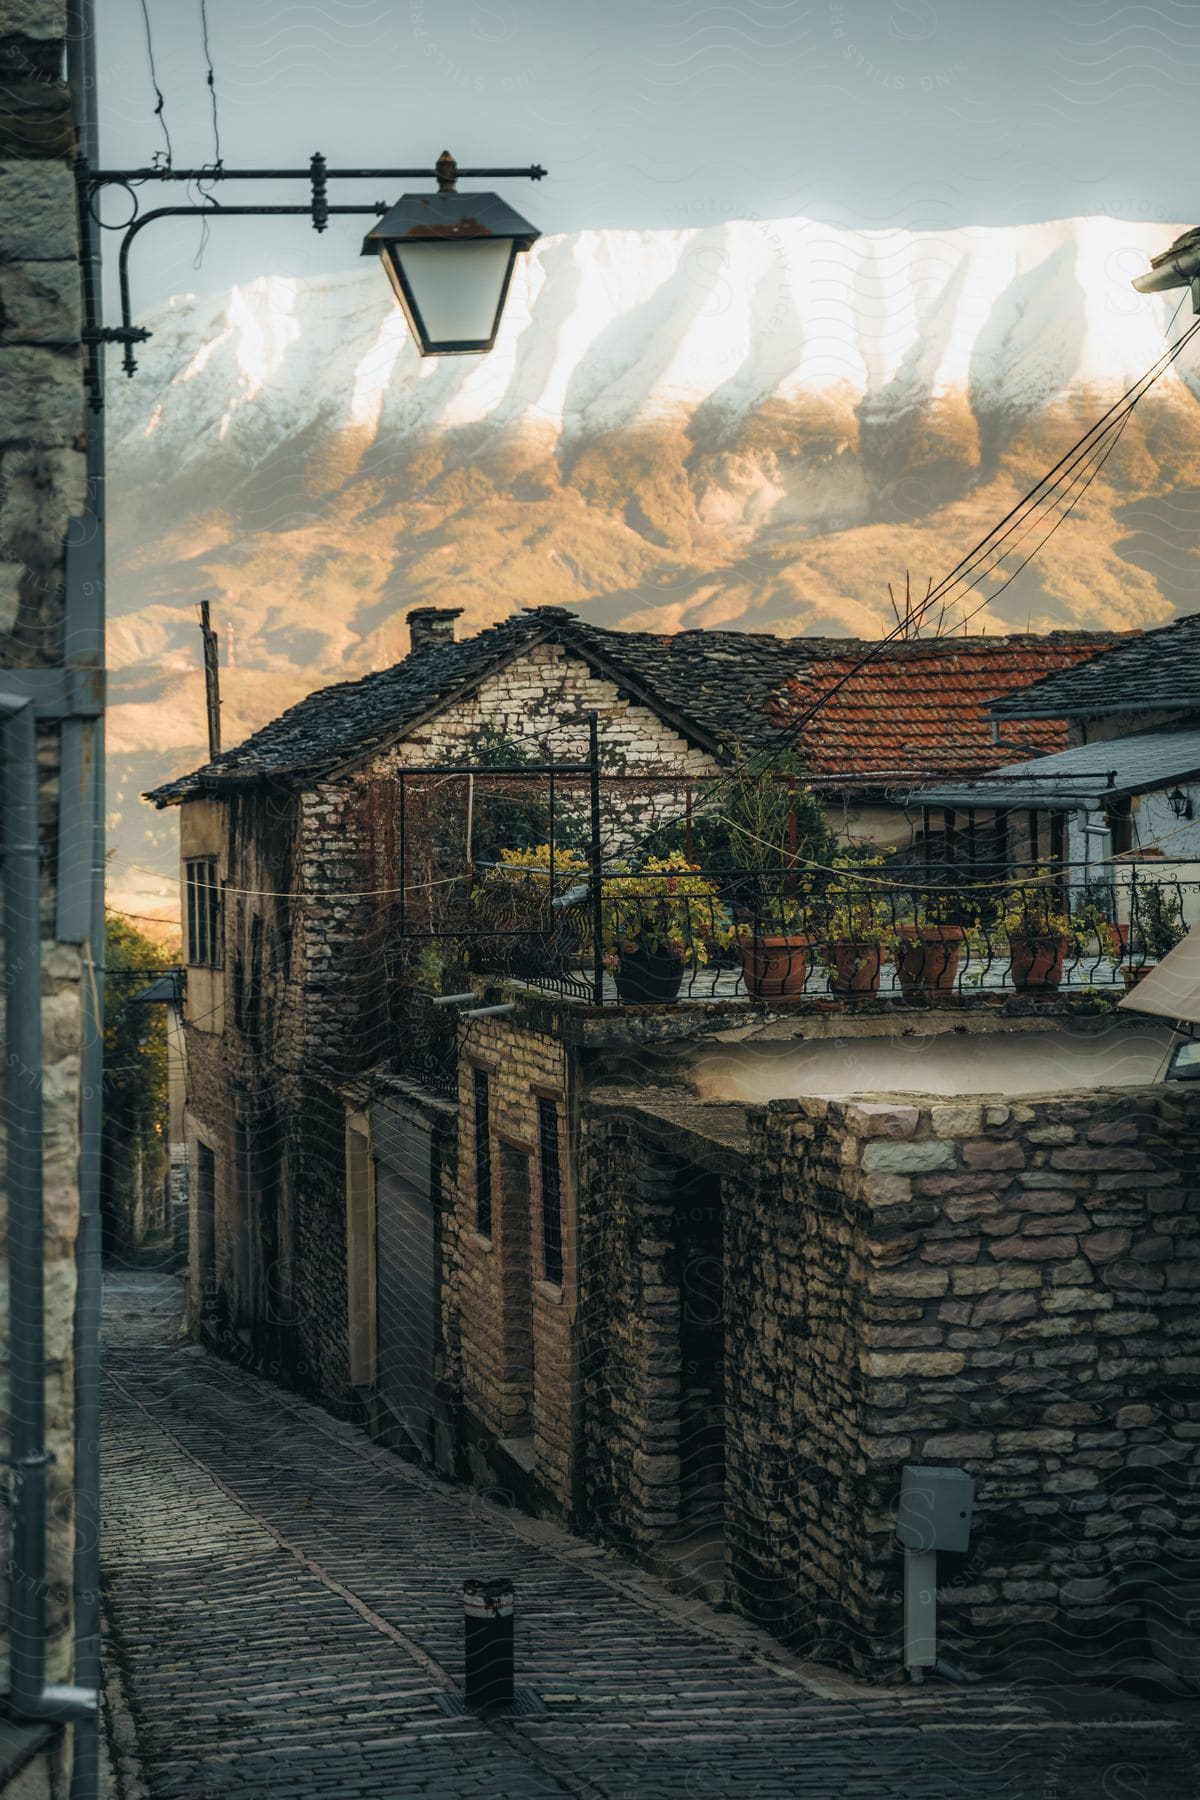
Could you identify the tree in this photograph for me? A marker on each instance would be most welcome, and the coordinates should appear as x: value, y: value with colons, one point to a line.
x: 134, y: 1142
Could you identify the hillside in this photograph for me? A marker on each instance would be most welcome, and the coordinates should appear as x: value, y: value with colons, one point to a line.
x: 757, y: 425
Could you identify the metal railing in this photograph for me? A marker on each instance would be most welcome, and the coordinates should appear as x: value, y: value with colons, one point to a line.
x: 916, y: 936
x: 588, y: 884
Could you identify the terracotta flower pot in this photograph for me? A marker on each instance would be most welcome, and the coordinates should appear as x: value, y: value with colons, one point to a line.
x: 645, y: 977
x: 1037, y: 960
x: 775, y: 968
x: 1131, y: 973
x: 927, y: 959
x: 855, y: 969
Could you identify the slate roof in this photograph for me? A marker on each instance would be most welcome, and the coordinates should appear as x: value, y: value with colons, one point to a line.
x: 918, y: 708
x: 1146, y: 671
x: 715, y: 687
x: 717, y: 683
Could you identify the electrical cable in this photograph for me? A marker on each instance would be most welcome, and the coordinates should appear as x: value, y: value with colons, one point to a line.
x: 1125, y: 404
x: 212, y: 87
x: 203, y: 193
x: 1065, y: 514
x: 997, y: 536
x: 160, y: 109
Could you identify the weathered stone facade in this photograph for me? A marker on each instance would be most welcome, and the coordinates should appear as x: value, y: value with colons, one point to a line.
x: 310, y: 989
x: 42, y: 484
x: 1005, y: 1287
x: 761, y: 1313
x: 516, y: 1327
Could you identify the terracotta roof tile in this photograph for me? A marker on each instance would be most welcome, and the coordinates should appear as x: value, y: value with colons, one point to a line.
x: 919, y: 708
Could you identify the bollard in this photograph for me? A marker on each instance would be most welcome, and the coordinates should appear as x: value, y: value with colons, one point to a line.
x: 488, y: 1639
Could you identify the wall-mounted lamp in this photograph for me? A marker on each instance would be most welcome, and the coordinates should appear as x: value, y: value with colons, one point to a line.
x: 1180, y: 803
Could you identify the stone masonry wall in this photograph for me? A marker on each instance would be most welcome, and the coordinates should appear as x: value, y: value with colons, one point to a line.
x: 348, y: 855
x: 1010, y: 1288
x: 542, y: 701
x: 634, y: 1277
x: 42, y: 485
x: 494, y: 1278
x: 795, y: 1501
x: 1005, y: 1287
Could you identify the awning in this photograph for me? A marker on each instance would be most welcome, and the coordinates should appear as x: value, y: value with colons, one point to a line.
x: 167, y: 987
x: 1086, y: 776
x: 1171, y: 990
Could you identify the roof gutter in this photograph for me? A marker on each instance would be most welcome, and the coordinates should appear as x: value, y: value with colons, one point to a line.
x: 1188, y: 703
x: 30, y: 1696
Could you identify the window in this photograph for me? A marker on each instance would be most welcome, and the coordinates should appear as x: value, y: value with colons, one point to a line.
x: 203, y: 913
x: 1120, y: 823
x: 552, y: 1258
x: 483, y: 1156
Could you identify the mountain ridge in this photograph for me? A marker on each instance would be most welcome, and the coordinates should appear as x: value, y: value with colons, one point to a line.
x: 755, y: 426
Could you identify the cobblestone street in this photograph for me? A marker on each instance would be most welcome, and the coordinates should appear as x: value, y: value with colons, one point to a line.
x: 284, y: 1619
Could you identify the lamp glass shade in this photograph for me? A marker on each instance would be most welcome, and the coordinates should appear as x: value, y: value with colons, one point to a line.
x: 452, y: 291
x: 449, y: 258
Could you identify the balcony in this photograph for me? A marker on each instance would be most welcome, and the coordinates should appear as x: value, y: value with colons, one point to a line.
x: 842, y: 937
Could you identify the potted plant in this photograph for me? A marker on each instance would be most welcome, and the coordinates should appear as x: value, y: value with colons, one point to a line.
x: 929, y: 944
x: 1156, y: 925
x: 1039, y: 929
x: 857, y: 928
x: 655, y: 921
x: 775, y: 947
x: 764, y: 833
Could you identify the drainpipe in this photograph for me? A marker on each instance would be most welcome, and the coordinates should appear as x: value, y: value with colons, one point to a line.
x: 84, y: 647
x: 29, y: 1695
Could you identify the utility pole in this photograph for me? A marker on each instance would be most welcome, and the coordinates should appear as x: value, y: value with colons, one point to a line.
x: 212, y: 682
x: 84, y: 647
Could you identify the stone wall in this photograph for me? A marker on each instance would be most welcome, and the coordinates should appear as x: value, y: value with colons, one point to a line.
x: 1028, y: 1276
x: 1008, y: 1288
x: 42, y: 484
x: 515, y: 1329
x: 541, y: 701
x: 643, y: 1183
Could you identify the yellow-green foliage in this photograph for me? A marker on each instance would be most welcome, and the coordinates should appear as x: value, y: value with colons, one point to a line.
x: 666, y: 906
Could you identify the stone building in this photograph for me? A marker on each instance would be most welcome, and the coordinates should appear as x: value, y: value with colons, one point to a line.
x: 1126, y: 784
x: 919, y: 710
x: 712, y: 1331
x: 288, y: 844
x: 1005, y: 1285
x: 50, y: 652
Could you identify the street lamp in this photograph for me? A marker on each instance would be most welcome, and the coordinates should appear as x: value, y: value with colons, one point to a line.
x: 1178, y: 266
x: 449, y: 258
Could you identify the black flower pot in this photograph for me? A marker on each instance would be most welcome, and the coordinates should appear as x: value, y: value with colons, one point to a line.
x: 648, y: 977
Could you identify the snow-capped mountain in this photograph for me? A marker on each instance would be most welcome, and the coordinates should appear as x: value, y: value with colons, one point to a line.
x: 758, y: 424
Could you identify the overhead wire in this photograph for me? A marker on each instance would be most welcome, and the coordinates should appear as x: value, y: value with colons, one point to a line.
x: 1091, y: 474
x: 160, y: 108
x: 1113, y: 420
x: 212, y: 86
x: 1033, y: 498
x: 204, y: 193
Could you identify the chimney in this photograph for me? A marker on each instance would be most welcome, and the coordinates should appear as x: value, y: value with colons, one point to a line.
x: 431, y: 626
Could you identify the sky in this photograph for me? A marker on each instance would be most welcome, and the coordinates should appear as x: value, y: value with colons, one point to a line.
x: 923, y: 114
